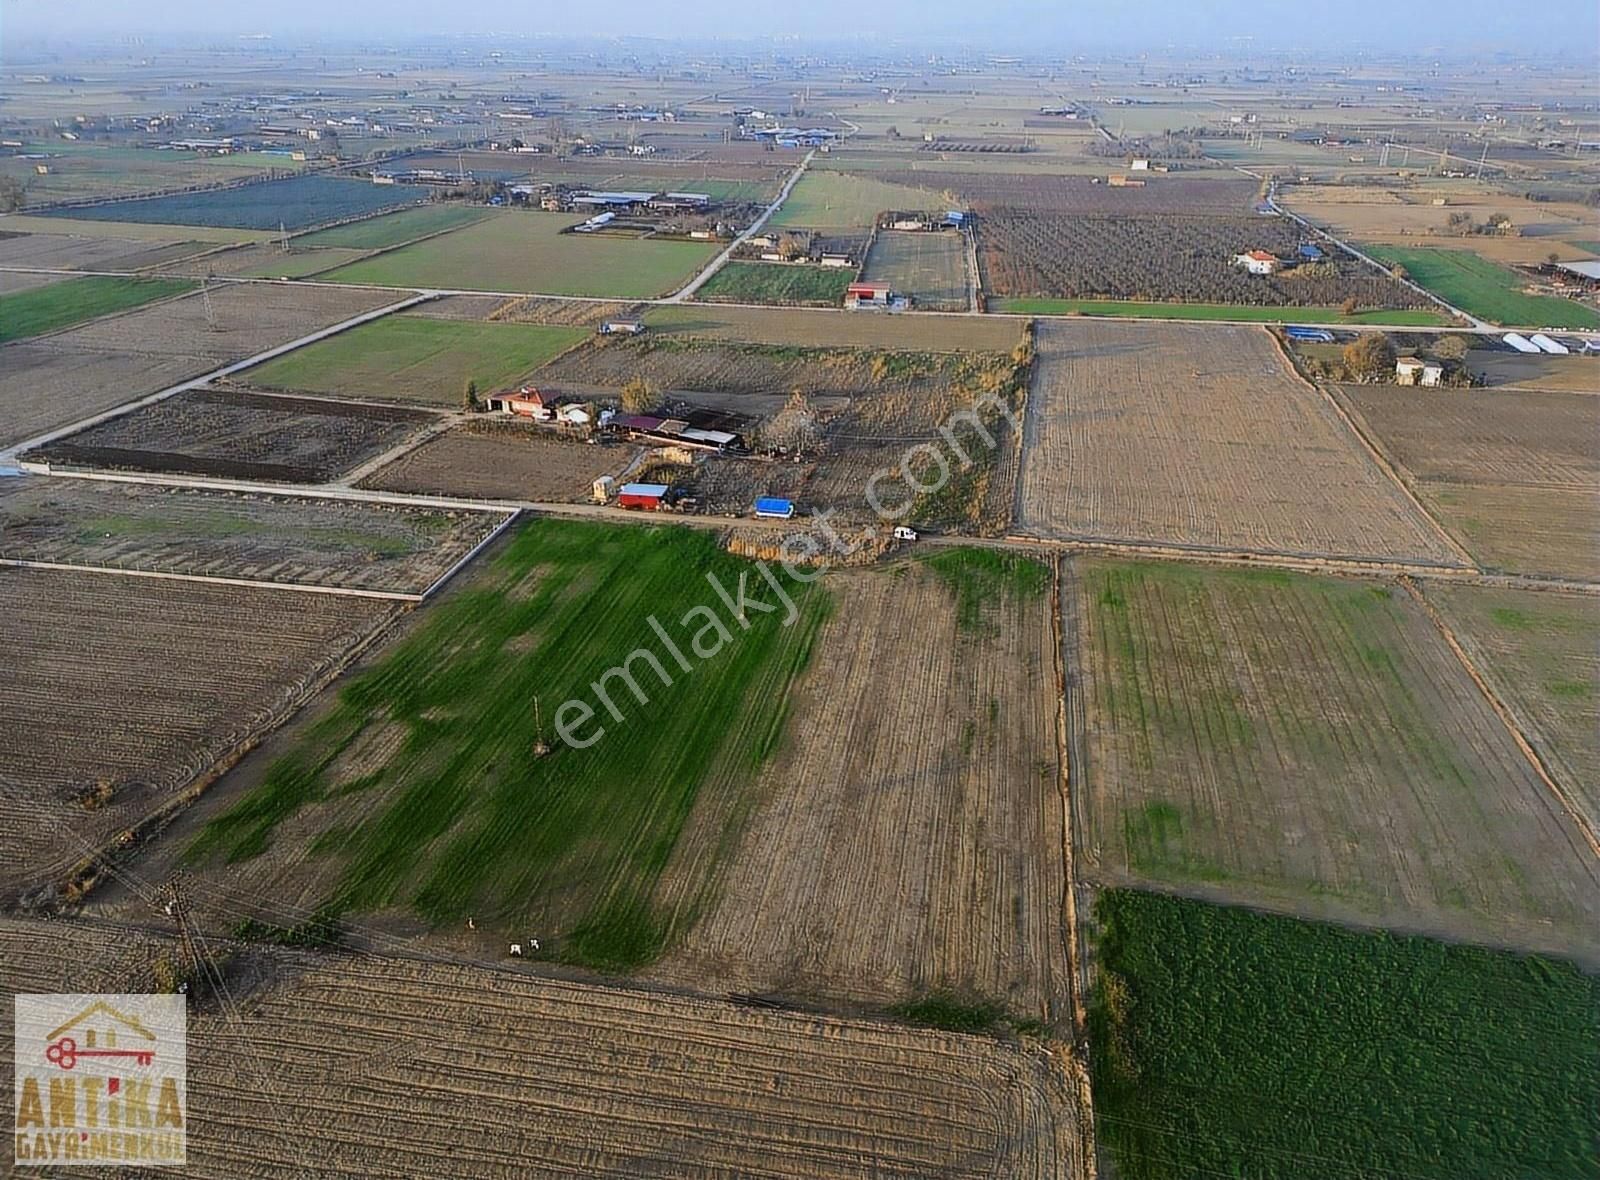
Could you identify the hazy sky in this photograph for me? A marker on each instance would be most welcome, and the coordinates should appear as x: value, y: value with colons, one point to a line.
x: 1404, y: 25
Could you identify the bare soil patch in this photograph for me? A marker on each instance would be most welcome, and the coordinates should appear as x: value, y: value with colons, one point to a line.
x: 287, y: 539
x: 141, y: 684
x: 240, y: 435
x: 501, y: 464
x: 475, y: 1072
x: 1201, y: 435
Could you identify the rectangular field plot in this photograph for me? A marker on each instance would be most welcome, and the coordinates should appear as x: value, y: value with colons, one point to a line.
x: 1485, y: 289
x: 1169, y: 259
x: 776, y: 282
x: 517, y: 251
x: 295, y: 203
x: 60, y: 305
x: 119, y: 691
x: 929, y: 267
x: 390, y: 549
x: 1541, y: 653
x: 1202, y: 436
x: 1314, y: 745
x: 1255, y: 1045
x: 76, y: 252
x: 848, y: 201
x: 239, y: 435
x: 986, y: 190
x: 362, y: 808
x: 408, y: 358
x: 393, y: 229
x: 906, y: 838
x: 568, y: 1079
x: 1514, y: 473
x: 501, y: 464
x: 836, y: 329
x: 44, y: 386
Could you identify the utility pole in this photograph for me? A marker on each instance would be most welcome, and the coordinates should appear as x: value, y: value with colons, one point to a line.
x: 205, y: 302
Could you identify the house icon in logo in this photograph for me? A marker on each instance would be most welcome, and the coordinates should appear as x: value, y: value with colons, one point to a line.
x: 100, y: 1031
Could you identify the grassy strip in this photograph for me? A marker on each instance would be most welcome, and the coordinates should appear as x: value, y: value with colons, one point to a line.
x: 1231, y: 1043
x: 1489, y: 291
x: 771, y: 282
x: 60, y: 305
x: 414, y: 358
x: 1216, y: 311
x: 464, y: 817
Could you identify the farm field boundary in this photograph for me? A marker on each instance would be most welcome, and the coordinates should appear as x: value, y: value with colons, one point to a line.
x: 1235, y: 313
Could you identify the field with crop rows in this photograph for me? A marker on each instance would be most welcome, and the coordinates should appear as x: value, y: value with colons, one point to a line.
x: 1139, y: 309
x: 1048, y: 193
x: 393, y: 229
x: 361, y: 809
x: 1231, y: 1043
x: 60, y: 305
x: 1022, y: 253
x: 293, y: 540
x: 1201, y: 436
x: 929, y: 267
x: 776, y: 282
x: 567, y: 1079
x: 120, y: 690
x: 407, y: 358
x: 239, y: 435
x: 1312, y: 744
x: 1514, y: 474
x: 906, y: 839
x: 523, y: 251
x: 296, y: 203
x: 1541, y: 653
x: 498, y: 462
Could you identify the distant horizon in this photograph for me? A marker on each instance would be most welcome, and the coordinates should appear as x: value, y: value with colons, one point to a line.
x: 1008, y: 27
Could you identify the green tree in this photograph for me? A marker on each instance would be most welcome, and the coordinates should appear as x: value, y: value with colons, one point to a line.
x: 469, y: 398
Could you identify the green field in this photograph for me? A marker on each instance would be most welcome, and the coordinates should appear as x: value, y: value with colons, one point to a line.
x: 459, y: 816
x: 1214, y: 311
x: 527, y: 252
x: 59, y: 305
x: 773, y: 282
x: 1230, y: 1043
x: 414, y: 358
x: 1484, y: 289
x: 394, y: 229
x: 847, y: 201
x: 298, y: 263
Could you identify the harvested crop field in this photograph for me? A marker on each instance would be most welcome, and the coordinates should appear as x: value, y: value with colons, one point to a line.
x: 121, y: 690
x: 929, y: 267
x: 510, y: 463
x: 1540, y: 651
x: 247, y: 318
x: 297, y: 541
x: 73, y: 252
x: 521, y: 251
x: 838, y: 329
x: 1202, y: 436
x: 1312, y: 745
x: 569, y: 1078
x: 1515, y: 474
x: 1026, y: 254
x: 358, y: 807
x: 1046, y: 193
x: 44, y: 386
x: 906, y: 839
x: 407, y: 358
x: 239, y: 435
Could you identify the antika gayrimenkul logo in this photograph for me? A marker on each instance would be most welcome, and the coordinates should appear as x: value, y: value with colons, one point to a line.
x: 100, y: 1079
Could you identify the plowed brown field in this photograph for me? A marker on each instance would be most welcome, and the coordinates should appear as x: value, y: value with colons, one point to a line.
x: 908, y: 836
x: 368, y: 1067
x: 1202, y: 436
